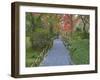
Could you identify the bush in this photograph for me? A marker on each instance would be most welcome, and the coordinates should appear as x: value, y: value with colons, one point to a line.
x: 79, y: 50
x: 28, y: 43
x: 40, y: 39
x: 31, y: 55
x: 78, y: 44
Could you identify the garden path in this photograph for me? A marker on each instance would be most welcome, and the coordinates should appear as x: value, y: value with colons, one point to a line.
x: 58, y: 55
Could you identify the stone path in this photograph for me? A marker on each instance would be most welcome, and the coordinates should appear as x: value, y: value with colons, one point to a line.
x: 58, y: 55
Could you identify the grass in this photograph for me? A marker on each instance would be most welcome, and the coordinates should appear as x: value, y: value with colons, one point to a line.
x: 78, y: 44
x: 31, y: 55
x: 79, y: 50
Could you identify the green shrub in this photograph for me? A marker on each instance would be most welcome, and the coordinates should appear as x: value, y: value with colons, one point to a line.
x: 31, y: 55
x: 78, y: 44
x: 79, y: 51
x: 40, y: 39
x: 28, y: 43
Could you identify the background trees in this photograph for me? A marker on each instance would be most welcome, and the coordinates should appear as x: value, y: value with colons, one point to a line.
x: 41, y: 29
x: 77, y: 38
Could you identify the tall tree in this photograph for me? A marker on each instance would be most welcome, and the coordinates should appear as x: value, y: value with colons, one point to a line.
x: 85, y: 21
